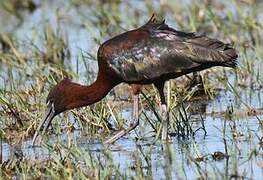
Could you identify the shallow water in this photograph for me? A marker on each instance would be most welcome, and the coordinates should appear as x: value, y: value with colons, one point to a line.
x: 176, y: 160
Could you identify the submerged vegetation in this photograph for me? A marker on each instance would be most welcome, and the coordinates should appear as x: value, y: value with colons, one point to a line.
x: 215, y: 123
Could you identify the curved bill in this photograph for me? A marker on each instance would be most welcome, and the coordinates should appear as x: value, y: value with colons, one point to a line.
x: 45, y: 122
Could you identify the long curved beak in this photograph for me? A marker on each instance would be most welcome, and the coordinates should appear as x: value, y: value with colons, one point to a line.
x: 45, y: 122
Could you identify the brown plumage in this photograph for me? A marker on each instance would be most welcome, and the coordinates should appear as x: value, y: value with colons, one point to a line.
x: 152, y: 53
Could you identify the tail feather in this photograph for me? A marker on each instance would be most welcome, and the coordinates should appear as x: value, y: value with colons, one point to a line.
x: 218, y: 52
x: 231, y: 56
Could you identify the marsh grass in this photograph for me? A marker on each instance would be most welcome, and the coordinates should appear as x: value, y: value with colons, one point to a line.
x: 29, y: 68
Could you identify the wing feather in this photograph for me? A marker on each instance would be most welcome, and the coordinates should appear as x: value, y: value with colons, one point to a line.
x: 168, y: 51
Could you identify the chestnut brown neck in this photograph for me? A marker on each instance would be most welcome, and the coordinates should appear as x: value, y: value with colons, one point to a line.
x: 87, y: 95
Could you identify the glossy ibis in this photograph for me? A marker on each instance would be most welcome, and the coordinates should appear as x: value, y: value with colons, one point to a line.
x: 152, y: 53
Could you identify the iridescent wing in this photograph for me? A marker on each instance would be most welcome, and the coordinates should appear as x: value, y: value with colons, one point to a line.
x: 155, y: 50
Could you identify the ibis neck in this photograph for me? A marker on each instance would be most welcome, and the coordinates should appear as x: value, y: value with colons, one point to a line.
x: 98, y: 90
x: 91, y: 94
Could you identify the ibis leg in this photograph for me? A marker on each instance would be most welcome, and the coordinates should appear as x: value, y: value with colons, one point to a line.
x: 133, y: 125
x: 164, y: 111
x: 165, y: 116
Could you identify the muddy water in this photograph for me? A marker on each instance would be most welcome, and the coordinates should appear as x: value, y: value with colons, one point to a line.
x: 186, y: 158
